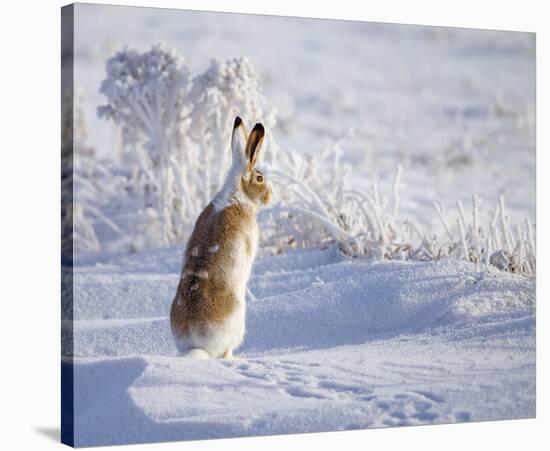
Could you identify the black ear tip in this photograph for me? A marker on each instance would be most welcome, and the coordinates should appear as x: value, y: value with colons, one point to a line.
x: 259, y: 128
x: 238, y: 122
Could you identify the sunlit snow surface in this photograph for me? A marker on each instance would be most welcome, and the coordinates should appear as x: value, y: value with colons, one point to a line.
x: 332, y: 343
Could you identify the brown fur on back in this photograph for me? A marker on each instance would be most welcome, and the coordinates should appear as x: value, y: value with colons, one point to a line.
x: 205, y: 295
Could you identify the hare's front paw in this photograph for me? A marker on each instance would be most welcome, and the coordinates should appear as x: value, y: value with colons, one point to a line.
x: 229, y: 355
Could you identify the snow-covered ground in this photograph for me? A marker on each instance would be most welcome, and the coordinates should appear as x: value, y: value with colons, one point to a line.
x: 332, y: 343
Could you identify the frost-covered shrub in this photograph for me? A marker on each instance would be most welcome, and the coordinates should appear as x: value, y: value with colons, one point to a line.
x: 145, y: 94
x: 313, y: 211
x: 308, y: 207
x: 182, y: 125
x: 224, y: 90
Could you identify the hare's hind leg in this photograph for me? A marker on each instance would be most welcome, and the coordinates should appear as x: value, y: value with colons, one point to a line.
x: 196, y: 353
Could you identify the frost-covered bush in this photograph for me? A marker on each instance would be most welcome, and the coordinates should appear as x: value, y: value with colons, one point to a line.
x: 224, y: 90
x: 309, y: 207
x: 145, y: 94
x: 359, y: 225
x: 313, y: 211
x: 183, y: 125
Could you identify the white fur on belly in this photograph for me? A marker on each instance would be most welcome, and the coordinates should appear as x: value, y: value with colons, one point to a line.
x: 218, y: 338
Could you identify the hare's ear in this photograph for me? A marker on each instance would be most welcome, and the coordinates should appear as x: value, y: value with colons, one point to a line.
x: 253, y: 146
x: 238, y: 141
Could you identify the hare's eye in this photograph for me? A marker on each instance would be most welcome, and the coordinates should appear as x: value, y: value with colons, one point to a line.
x: 260, y: 178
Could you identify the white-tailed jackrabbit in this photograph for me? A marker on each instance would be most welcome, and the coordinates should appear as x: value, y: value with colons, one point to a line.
x: 208, y: 313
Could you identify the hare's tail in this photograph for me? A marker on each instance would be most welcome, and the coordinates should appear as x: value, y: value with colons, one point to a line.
x: 196, y: 353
